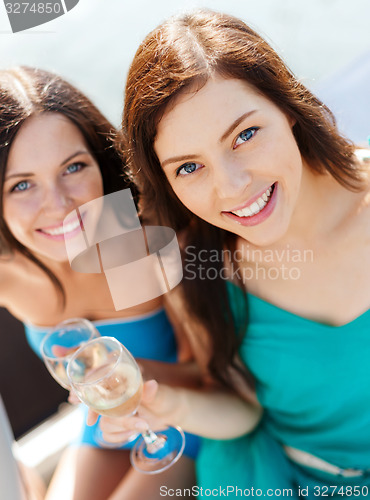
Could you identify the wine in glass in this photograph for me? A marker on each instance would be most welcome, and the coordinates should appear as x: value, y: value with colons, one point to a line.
x: 57, y: 349
x: 62, y: 342
x: 106, y: 377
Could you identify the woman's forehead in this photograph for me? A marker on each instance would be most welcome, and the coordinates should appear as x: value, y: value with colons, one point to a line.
x: 219, y: 99
x: 46, y: 136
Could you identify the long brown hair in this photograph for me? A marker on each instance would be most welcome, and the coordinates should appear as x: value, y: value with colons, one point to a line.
x: 25, y: 92
x: 185, y: 52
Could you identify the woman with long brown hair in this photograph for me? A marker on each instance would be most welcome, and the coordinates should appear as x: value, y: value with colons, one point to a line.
x: 272, y: 207
x: 56, y: 154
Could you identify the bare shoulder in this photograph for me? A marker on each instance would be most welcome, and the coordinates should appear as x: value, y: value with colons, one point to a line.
x: 15, y: 272
x: 7, y: 275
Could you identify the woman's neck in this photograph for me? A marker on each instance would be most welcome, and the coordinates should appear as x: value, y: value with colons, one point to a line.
x: 322, y: 207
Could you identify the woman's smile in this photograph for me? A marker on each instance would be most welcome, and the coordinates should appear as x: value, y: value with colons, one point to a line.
x: 255, y: 210
x: 60, y: 232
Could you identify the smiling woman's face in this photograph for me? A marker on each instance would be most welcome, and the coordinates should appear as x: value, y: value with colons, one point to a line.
x: 50, y: 172
x: 231, y: 158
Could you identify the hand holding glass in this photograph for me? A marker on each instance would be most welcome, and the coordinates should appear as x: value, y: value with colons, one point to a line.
x: 107, y: 378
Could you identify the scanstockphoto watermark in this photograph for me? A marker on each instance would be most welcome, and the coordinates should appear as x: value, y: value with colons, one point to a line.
x: 248, y: 263
x: 232, y: 491
x: 25, y: 15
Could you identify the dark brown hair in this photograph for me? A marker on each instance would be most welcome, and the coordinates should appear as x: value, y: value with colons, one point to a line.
x: 183, y: 53
x: 25, y: 92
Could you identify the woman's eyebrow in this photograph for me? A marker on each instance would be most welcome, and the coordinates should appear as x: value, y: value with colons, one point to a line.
x: 30, y: 174
x: 82, y: 152
x: 236, y: 123
x: 20, y: 174
x: 176, y: 159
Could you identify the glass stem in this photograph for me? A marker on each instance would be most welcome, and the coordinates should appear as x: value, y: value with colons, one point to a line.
x: 152, y: 441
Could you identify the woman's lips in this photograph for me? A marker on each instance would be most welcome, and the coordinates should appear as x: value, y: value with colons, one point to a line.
x: 264, y: 211
x: 62, y: 231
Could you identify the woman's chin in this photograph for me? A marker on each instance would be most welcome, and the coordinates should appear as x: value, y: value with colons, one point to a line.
x: 266, y: 237
x: 52, y: 256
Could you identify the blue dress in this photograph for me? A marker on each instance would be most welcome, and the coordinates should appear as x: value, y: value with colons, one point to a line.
x: 149, y: 336
x: 312, y: 380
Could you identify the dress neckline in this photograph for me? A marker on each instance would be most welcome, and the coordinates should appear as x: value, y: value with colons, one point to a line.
x: 104, y: 322
x: 286, y: 312
x: 308, y: 320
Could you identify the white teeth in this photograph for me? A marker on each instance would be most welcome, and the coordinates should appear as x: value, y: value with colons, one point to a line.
x: 67, y: 228
x: 256, y: 206
x: 246, y: 212
x: 261, y: 202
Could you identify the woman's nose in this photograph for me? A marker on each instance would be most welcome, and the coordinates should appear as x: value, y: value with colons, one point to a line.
x: 57, y: 201
x: 230, y: 179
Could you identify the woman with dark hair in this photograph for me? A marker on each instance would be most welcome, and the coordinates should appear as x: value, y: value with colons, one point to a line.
x: 272, y: 205
x: 56, y: 154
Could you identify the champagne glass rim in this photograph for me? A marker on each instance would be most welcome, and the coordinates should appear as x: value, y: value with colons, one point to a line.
x: 122, y: 349
x: 59, y: 326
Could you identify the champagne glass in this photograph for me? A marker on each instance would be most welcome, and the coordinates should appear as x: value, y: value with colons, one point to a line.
x: 57, y: 349
x: 61, y: 342
x: 106, y: 378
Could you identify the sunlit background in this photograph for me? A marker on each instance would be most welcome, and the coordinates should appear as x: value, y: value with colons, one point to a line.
x: 93, y: 44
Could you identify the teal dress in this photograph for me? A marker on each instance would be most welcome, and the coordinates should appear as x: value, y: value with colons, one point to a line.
x: 313, y: 381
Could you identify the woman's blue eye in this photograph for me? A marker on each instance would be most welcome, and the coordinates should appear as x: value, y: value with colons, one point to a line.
x: 21, y: 186
x: 245, y: 136
x: 188, y: 168
x: 74, y: 167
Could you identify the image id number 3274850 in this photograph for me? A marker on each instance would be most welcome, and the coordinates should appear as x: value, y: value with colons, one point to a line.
x: 33, y: 7
x: 343, y: 491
